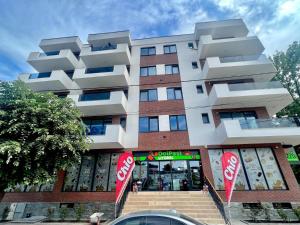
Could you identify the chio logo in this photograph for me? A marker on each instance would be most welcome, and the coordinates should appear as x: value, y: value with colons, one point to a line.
x: 121, y: 174
x: 229, y: 171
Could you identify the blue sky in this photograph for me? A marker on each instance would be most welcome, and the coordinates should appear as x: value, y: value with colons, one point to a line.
x: 23, y: 23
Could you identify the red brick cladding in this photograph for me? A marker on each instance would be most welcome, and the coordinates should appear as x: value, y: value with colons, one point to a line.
x: 158, y: 59
x: 160, y: 81
x: 290, y: 195
x: 261, y: 113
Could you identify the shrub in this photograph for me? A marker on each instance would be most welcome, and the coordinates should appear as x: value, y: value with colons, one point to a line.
x: 282, y: 215
x: 79, y: 210
x: 63, y: 213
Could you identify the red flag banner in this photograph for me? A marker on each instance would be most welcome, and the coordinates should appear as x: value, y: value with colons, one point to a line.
x: 230, y: 166
x: 124, y: 170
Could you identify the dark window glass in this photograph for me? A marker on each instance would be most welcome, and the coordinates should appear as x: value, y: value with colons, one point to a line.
x: 194, y: 65
x: 199, y: 89
x: 133, y: 221
x: 174, y: 93
x: 153, y: 121
x: 252, y: 206
x: 282, y: 205
x: 96, y: 126
x: 100, y: 69
x: 144, y: 96
x: 148, y: 51
x: 247, y: 118
x: 123, y: 122
x: 190, y: 45
x: 152, y: 95
x: 144, y: 71
x: 170, y: 49
x: 171, y: 69
x: 144, y: 125
x: 39, y: 75
x: 205, y: 118
x: 152, y: 70
x: 168, y: 69
x: 148, y: 71
x: 93, y: 96
x: 157, y: 220
x: 178, y: 123
x: 178, y: 94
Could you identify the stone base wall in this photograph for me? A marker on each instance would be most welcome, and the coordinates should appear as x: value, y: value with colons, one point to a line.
x: 53, y: 211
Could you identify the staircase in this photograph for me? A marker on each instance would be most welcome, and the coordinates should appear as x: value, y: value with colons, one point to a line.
x: 195, y: 204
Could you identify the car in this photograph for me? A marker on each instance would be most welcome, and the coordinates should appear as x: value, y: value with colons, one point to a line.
x: 155, y: 217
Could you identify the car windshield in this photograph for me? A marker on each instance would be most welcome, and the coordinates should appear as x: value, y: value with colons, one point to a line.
x: 191, y: 220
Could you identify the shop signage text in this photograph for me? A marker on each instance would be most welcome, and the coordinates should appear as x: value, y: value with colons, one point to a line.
x: 167, y: 155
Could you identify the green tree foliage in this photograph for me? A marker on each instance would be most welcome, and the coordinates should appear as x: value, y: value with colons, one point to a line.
x: 288, y: 67
x: 40, y: 134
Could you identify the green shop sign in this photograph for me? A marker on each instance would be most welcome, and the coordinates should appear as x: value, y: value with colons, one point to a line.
x: 167, y: 155
x: 292, y: 155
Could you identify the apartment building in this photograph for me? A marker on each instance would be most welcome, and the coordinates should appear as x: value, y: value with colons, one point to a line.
x: 178, y: 103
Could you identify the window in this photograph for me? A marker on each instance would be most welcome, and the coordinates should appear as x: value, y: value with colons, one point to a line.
x: 93, y: 96
x: 96, y: 126
x: 148, y: 51
x: 191, y: 45
x: 194, y: 65
x: 148, y: 124
x: 199, y: 89
x: 171, y: 69
x: 168, y: 49
x: 123, y: 122
x: 205, y: 118
x: 247, y: 118
x: 148, y: 95
x: 148, y: 71
x: 39, y: 75
x: 282, y: 205
x: 174, y: 93
x: 100, y: 69
x: 252, y: 206
x: 178, y: 123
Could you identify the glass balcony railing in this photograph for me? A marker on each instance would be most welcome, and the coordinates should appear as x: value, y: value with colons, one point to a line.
x: 240, y: 58
x: 100, y: 70
x: 94, y: 96
x: 39, y: 75
x: 269, y: 123
x: 254, y: 86
x: 105, y: 47
x: 49, y: 53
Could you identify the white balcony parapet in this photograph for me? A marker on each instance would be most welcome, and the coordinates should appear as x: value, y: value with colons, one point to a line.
x: 116, y: 104
x: 285, y: 130
x: 258, y: 68
x: 209, y: 47
x: 113, y: 138
x: 242, y: 95
x: 56, y: 44
x: 101, y: 39
x: 59, y: 60
x: 117, y: 76
x: 56, y: 80
x: 118, y: 54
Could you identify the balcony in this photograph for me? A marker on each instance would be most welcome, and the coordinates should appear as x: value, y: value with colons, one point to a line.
x: 209, y: 47
x: 56, y: 80
x: 113, y: 137
x: 244, y: 66
x: 57, y: 44
x: 56, y: 60
x: 102, y: 77
x: 115, y: 54
x: 278, y: 130
x: 105, y: 103
x: 243, y: 95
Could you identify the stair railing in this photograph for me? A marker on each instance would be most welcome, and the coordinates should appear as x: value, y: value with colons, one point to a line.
x: 119, y: 205
x: 217, y: 199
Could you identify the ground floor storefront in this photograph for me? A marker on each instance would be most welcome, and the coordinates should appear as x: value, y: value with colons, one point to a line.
x: 265, y: 178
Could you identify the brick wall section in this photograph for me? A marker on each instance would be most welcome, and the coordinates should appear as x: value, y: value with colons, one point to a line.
x: 158, y: 59
x: 261, y: 113
x: 160, y: 81
x: 290, y: 195
x: 165, y: 140
x: 168, y: 107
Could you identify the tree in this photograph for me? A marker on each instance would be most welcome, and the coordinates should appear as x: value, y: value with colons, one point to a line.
x: 288, y: 67
x: 40, y: 134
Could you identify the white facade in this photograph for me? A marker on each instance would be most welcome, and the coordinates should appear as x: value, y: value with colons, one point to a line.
x: 230, y: 54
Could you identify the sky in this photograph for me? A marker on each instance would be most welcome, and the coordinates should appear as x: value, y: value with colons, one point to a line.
x: 23, y: 23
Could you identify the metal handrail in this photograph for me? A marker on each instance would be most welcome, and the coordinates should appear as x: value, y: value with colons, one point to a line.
x: 217, y: 199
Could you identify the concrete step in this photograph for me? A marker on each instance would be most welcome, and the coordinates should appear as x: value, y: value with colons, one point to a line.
x: 152, y: 193
x: 171, y: 203
x: 141, y: 198
x: 179, y: 207
x: 192, y: 212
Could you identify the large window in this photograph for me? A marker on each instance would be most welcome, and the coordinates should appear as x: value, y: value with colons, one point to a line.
x: 178, y: 123
x: 95, y: 173
x: 96, y: 126
x: 148, y: 51
x: 171, y: 69
x: 168, y: 49
x: 148, y: 95
x: 174, y: 93
x: 147, y: 71
x: 246, y: 118
x: 259, y: 169
x: 100, y: 69
x: 93, y: 96
x: 148, y: 124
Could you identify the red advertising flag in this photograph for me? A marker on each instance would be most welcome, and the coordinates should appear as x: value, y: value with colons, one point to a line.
x: 124, y: 170
x: 230, y: 166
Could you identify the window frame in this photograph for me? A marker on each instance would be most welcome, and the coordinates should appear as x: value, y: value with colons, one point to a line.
x: 149, y: 118
x: 148, y: 49
x: 172, y: 69
x: 169, y: 47
x: 199, y: 89
x: 174, y: 89
x: 147, y: 69
x: 177, y: 122
x: 205, y: 115
x: 147, y: 91
x: 195, y: 65
x: 191, y: 45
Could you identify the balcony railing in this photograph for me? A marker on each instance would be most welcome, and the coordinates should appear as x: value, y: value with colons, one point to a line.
x: 270, y: 123
x: 103, y: 48
x: 100, y: 70
x: 49, y: 53
x: 254, y: 86
x: 39, y: 75
x: 238, y: 58
x: 94, y: 96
